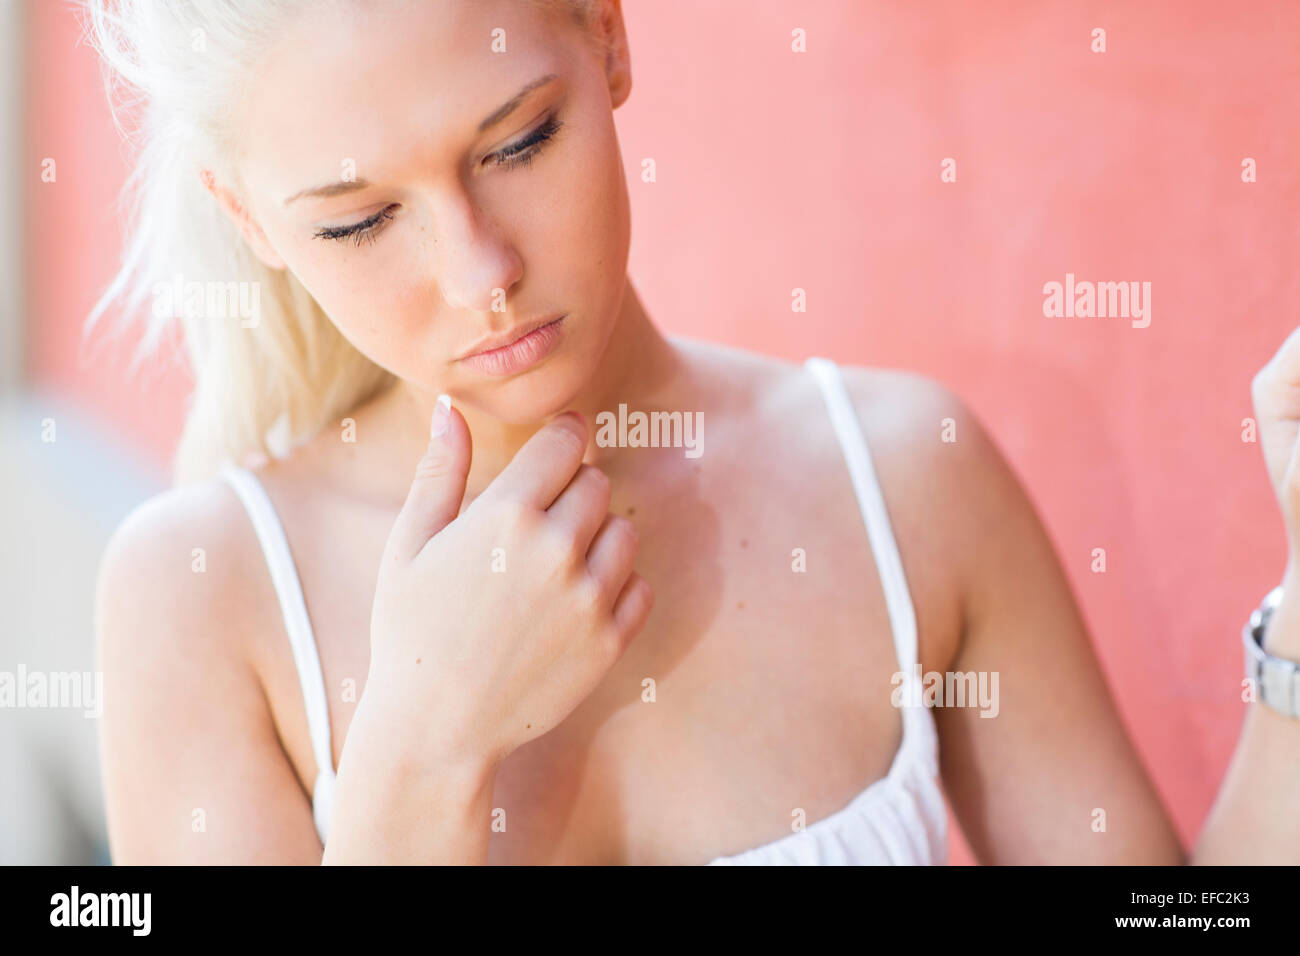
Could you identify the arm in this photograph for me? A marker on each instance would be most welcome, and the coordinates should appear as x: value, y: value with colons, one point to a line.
x: 453, y: 686
x: 1024, y: 784
x: 1253, y: 819
x: 193, y: 766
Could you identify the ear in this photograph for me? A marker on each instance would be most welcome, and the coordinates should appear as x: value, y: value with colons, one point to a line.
x: 611, y: 33
x: 248, y: 227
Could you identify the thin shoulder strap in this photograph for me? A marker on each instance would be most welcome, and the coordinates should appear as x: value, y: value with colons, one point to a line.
x: 871, y: 503
x: 270, y: 533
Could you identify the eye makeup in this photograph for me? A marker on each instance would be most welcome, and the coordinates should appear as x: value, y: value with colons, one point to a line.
x: 359, y: 232
x: 521, y: 153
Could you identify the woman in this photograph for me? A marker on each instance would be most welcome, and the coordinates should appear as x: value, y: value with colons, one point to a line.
x: 495, y: 627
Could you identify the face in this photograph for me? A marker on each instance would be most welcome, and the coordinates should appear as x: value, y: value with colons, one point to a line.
x: 390, y: 161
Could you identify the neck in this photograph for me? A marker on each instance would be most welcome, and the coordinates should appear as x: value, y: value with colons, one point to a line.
x: 638, y: 367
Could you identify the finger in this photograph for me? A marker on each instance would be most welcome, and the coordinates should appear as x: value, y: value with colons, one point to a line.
x: 583, y: 505
x: 1275, y: 390
x: 1275, y: 393
x: 544, y: 466
x: 438, y: 488
x: 1284, y: 367
x: 613, y: 554
x: 633, y: 607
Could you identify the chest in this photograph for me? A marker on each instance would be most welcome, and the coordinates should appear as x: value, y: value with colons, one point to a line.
x: 759, y: 688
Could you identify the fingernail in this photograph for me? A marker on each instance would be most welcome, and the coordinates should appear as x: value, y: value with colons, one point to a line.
x: 441, y: 417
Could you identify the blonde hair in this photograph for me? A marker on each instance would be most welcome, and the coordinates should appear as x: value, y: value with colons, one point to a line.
x: 175, y: 70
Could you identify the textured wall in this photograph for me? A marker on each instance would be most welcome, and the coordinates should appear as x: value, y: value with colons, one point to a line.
x: 821, y: 170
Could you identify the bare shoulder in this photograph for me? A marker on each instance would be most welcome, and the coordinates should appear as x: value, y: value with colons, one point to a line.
x: 952, y: 499
x: 178, y: 577
x: 187, y: 732
x: 962, y: 503
x: 924, y: 431
x: 917, y: 426
x: 896, y: 405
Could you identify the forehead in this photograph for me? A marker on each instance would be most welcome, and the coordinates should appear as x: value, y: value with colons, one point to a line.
x: 387, y: 81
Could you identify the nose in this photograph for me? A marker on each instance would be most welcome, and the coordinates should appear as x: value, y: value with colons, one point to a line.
x: 475, y: 262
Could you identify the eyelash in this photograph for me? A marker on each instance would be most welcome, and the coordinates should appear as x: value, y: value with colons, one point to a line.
x: 523, y: 153
x: 361, y: 231
x: 518, y: 154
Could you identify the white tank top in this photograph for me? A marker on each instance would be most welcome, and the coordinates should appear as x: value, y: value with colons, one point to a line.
x: 899, y: 819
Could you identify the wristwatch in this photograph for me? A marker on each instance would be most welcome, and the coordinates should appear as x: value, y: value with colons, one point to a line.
x: 1276, y: 679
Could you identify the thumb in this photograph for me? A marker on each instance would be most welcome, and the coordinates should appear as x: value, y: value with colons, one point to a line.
x: 439, y: 485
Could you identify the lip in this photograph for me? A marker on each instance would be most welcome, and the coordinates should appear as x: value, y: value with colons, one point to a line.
x: 503, y: 339
x: 517, y: 349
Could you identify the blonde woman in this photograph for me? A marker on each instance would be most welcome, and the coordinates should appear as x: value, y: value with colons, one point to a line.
x: 449, y: 612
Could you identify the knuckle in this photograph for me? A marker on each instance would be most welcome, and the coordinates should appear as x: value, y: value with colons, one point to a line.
x: 599, y: 480
x: 612, y: 643
x: 515, y: 516
x: 566, y: 440
x: 558, y: 546
x: 563, y: 544
x: 432, y: 466
x: 589, y: 596
x: 593, y: 488
x: 624, y: 530
x: 639, y: 591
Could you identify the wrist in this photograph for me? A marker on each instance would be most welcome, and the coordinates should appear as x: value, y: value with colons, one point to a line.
x: 398, y: 779
x: 1281, y: 635
x: 397, y: 802
x: 388, y: 732
x: 393, y: 808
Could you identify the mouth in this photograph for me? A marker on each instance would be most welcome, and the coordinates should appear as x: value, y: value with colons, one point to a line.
x: 518, y: 349
x: 501, y: 340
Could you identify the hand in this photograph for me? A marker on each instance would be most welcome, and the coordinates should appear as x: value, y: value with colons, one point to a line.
x: 479, y: 661
x: 1275, y: 391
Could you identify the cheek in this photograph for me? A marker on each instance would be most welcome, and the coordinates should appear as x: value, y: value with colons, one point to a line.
x: 578, y: 241
x: 369, y: 293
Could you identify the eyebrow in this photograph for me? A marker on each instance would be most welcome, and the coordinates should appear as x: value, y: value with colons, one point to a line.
x: 339, y: 187
x: 513, y: 103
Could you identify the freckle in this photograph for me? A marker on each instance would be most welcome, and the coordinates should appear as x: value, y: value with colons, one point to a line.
x: 530, y: 727
x: 631, y: 510
x: 740, y: 605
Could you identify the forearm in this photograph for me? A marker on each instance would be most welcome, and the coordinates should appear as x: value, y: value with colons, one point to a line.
x: 1254, y: 819
x: 396, y: 804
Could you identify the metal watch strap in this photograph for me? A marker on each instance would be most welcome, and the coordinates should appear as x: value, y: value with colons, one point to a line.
x: 1276, y: 679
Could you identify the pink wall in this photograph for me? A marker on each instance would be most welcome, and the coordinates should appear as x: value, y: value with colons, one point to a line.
x: 73, y: 241
x: 822, y: 170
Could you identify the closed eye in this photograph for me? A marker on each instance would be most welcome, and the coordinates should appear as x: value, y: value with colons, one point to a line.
x: 360, y: 231
x: 517, y: 154
x: 523, y: 152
